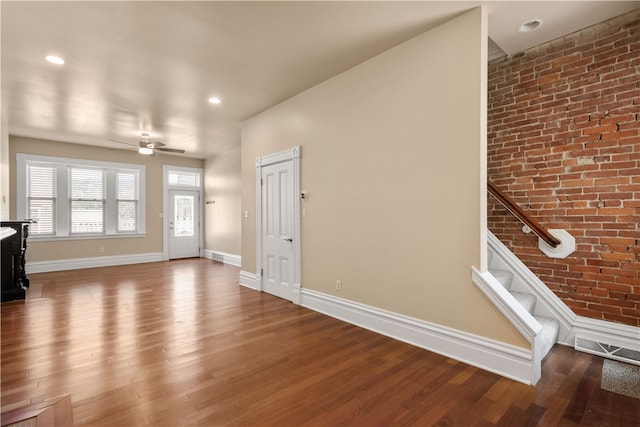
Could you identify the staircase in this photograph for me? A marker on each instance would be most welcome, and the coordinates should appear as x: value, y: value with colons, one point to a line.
x: 534, y: 310
x: 543, y: 319
x: 531, y: 307
x: 550, y: 326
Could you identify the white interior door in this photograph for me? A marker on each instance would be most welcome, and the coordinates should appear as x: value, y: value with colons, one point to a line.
x: 184, y: 224
x: 278, y: 251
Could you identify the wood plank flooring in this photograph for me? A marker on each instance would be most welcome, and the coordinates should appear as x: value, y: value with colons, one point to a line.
x: 181, y: 343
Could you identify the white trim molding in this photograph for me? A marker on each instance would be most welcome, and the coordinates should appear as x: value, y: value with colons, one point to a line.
x: 224, y: 257
x: 493, y: 356
x: 79, y: 263
x: 249, y: 280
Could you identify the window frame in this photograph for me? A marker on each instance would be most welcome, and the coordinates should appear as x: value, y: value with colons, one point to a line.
x: 63, y: 199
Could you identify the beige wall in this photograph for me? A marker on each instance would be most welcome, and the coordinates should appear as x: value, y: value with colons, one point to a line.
x: 222, y: 185
x: 69, y: 249
x: 392, y: 161
x: 4, y: 168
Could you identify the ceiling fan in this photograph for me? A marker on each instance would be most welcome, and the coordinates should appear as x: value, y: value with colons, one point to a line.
x: 147, y: 147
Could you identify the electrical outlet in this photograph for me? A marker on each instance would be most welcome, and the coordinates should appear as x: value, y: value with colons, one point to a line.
x: 338, y: 285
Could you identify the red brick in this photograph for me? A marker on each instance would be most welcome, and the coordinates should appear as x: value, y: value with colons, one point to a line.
x: 633, y: 281
x: 600, y: 292
x: 621, y: 319
x: 633, y: 312
x: 618, y: 240
x: 618, y: 302
x: 576, y: 164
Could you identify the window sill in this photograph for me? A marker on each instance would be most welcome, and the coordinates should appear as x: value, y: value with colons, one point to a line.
x: 33, y: 239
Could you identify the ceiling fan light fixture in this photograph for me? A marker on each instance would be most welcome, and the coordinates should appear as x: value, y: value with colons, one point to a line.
x: 145, y: 150
x: 214, y: 100
x: 530, y: 25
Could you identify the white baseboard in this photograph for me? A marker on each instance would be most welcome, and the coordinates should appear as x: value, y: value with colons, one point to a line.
x: 497, y: 357
x: 224, y: 257
x: 248, y: 280
x: 78, y: 263
x: 608, y: 332
x: 624, y: 339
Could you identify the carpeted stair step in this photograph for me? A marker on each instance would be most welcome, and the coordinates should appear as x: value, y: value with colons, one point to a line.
x: 504, y: 277
x: 549, y: 334
x: 526, y: 300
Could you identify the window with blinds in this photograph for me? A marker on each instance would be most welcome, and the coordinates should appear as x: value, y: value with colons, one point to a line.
x: 87, y: 200
x: 41, y: 199
x: 72, y: 198
x: 127, y: 200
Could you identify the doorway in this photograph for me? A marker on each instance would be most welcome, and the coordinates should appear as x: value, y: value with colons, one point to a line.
x: 278, y: 224
x: 184, y: 224
x: 182, y: 212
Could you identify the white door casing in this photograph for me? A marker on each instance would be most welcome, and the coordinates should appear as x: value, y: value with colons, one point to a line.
x: 184, y: 224
x: 278, y: 224
x: 196, y: 185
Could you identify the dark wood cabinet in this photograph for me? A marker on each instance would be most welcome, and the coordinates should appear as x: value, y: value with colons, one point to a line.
x: 14, y: 279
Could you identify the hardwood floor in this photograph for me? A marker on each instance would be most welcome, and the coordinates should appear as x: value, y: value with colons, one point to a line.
x: 181, y: 343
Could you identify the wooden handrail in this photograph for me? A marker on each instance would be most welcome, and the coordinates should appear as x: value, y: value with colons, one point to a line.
x: 517, y: 211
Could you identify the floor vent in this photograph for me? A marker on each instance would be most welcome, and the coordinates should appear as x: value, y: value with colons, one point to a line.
x: 607, y: 350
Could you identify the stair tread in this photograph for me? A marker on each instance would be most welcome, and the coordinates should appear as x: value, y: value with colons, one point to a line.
x: 528, y: 301
x: 547, y: 321
x: 549, y: 334
x: 503, y: 276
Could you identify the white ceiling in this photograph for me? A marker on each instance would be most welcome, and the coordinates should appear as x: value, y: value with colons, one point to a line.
x: 134, y: 67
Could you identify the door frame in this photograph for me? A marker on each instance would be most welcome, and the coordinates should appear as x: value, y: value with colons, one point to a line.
x: 292, y: 154
x: 191, y: 192
x: 166, y: 209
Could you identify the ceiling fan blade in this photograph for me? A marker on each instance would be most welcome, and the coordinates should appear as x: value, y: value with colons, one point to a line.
x: 169, y: 150
x: 158, y: 146
x: 121, y: 142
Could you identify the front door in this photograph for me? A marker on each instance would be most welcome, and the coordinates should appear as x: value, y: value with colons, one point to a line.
x: 184, y: 224
x: 278, y: 254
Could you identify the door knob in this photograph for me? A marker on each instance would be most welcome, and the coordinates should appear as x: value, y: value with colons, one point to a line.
x: 287, y: 239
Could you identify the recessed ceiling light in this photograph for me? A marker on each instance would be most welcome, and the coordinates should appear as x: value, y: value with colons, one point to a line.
x: 531, y: 25
x: 214, y: 100
x: 54, y: 59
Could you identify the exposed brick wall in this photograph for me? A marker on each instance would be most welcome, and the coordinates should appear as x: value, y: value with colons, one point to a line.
x: 564, y: 143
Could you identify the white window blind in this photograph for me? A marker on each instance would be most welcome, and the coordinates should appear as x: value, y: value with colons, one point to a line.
x: 127, y: 200
x: 41, y: 198
x: 87, y: 200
